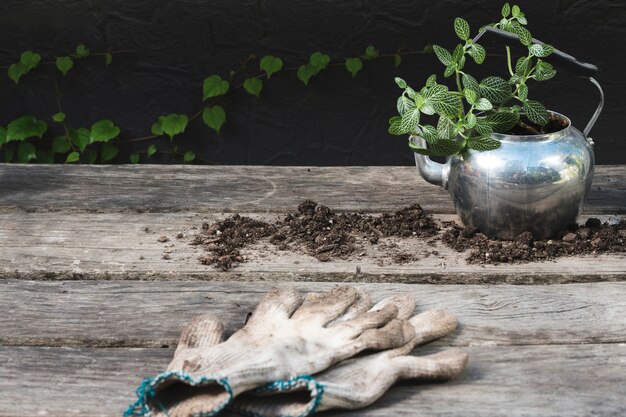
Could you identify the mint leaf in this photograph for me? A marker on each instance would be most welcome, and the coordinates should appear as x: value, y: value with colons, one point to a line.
x: 214, y: 117
x: 170, y: 125
x: 253, y: 86
x: 25, y: 127
x: 103, y: 131
x: 354, y: 65
x: 271, y: 65
x: 64, y: 64
x: 214, y: 86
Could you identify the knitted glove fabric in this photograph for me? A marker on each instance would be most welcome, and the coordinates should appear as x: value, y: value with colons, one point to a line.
x: 361, y: 381
x: 286, y: 336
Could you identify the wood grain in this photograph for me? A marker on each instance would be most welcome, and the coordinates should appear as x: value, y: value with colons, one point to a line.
x: 116, y: 246
x: 565, y: 380
x: 151, y: 314
x: 158, y: 188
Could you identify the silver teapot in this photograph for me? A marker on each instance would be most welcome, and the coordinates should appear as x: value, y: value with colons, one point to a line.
x: 532, y: 183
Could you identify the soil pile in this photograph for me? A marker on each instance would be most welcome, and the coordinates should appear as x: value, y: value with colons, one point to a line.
x: 591, y: 238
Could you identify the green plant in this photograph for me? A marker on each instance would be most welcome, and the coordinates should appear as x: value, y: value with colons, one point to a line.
x: 23, y: 140
x: 469, y: 115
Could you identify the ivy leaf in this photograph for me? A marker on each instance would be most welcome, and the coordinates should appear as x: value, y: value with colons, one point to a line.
x: 401, y: 83
x: 60, y: 144
x: 80, y: 137
x: 395, y: 126
x: 443, y: 147
x: 502, y: 122
x: 189, y: 156
x: 170, y: 125
x: 444, y: 56
x: 109, y: 151
x: 410, y: 120
x: 495, y: 89
x: 483, y: 104
x: 541, y: 51
x: 152, y: 149
x: 397, y: 60
x: 371, y: 53
x: 64, y: 64
x: 253, y: 86
x: 477, y: 52
x: 462, y: 28
x: 271, y: 65
x: 103, y: 131
x: 214, y: 117
x: 72, y: 157
x: 483, y: 143
x: 108, y: 58
x: 26, y: 152
x: 214, y: 86
x: 58, y: 117
x: 134, y: 158
x: 81, y: 51
x: 354, y: 65
x: 25, y: 127
x: 28, y: 61
x: 536, y: 112
x: 506, y: 10
x: 305, y: 72
x: 44, y: 156
x: 319, y: 61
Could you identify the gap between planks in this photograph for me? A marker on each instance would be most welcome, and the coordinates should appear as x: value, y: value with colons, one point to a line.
x: 105, y: 313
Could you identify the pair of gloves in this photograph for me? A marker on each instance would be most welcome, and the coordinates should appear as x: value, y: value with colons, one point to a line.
x: 281, y: 362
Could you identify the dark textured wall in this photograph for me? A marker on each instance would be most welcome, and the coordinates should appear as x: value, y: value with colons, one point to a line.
x: 336, y: 120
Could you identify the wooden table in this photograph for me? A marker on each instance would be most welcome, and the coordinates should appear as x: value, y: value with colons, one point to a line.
x: 89, y: 306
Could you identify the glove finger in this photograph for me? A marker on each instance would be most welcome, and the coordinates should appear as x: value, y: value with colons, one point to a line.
x: 404, y: 302
x: 432, y: 324
x: 328, y: 307
x: 372, y: 319
x: 394, y: 334
x: 362, y: 304
x: 279, y: 303
x: 439, y: 366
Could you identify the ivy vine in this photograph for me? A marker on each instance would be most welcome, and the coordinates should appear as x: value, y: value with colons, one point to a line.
x: 25, y: 139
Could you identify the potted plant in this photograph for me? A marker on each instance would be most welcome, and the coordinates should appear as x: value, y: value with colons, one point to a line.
x: 512, y: 165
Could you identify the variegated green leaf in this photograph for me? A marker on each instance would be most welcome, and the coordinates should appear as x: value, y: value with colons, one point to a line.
x: 506, y: 10
x: 449, y: 71
x: 495, y: 89
x: 444, y: 56
x: 470, y: 82
x: 461, y: 28
x: 522, y: 92
x: 536, y: 112
x: 483, y: 104
x: 443, y: 147
x: 471, y: 121
x: 449, y: 105
x: 405, y: 104
x: 410, y: 120
x: 483, y: 143
x: 395, y: 126
x: 429, y: 133
x: 471, y: 96
x: 541, y: 51
x: 502, y: 122
x: 445, y: 128
x: 544, y: 71
x: 483, y: 127
x: 401, y: 83
x: 432, y: 80
x: 477, y: 52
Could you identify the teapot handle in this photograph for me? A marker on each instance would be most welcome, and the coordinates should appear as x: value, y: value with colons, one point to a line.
x: 563, y: 60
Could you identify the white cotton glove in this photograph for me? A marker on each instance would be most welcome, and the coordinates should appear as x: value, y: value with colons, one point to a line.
x: 358, y: 382
x: 285, y: 337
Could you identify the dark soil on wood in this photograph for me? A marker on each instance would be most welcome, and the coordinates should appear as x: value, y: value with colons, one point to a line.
x: 316, y: 230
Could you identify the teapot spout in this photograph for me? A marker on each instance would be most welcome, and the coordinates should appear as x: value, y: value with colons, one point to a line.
x: 431, y: 171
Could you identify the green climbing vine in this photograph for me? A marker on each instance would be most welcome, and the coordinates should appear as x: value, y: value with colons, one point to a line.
x: 28, y: 139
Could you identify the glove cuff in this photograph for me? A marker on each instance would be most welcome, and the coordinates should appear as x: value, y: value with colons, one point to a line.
x: 151, y: 390
x: 266, y: 401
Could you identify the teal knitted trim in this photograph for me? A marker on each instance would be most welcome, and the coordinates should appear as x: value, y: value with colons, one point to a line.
x: 146, y: 393
x: 286, y: 385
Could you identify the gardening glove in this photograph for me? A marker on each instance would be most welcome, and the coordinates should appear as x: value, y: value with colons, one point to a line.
x: 286, y: 336
x: 358, y: 382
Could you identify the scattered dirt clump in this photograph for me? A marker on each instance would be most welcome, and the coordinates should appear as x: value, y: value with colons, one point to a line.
x: 223, y: 239
x: 591, y: 238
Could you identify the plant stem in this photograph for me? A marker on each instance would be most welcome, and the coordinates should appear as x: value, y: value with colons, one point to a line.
x: 121, y: 51
x: 508, y: 60
x: 58, y: 97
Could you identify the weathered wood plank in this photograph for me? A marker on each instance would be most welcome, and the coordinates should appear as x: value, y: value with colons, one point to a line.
x: 151, y: 314
x: 116, y: 246
x: 244, y: 188
x: 566, y: 380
